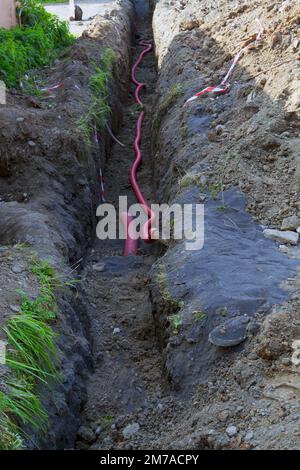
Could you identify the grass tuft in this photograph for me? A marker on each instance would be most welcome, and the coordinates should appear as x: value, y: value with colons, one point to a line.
x: 176, y: 321
x: 32, y: 343
x: 23, y: 404
x: 99, y: 108
x: 163, y: 285
x: 32, y: 357
x: 10, y: 438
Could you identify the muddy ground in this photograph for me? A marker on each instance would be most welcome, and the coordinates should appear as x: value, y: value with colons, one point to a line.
x: 134, y: 378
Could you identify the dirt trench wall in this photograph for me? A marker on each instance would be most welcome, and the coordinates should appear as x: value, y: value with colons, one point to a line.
x: 50, y: 189
x: 254, y: 127
x: 238, y: 153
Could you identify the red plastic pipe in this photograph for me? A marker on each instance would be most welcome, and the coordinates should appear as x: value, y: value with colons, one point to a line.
x: 131, y: 243
x: 147, y: 230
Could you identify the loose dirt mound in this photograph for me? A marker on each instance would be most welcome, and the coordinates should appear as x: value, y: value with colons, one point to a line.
x: 49, y: 192
x: 248, y: 138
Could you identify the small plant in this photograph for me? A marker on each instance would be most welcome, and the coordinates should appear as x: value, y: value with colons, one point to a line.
x: 10, y: 438
x: 214, y: 190
x: 176, y: 323
x: 21, y: 246
x: 218, y: 187
x: 22, y: 403
x: 189, y: 179
x: 162, y: 281
x: 30, y: 88
x: 48, y: 276
x: 163, y: 285
x: 176, y: 91
x: 199, y: 316
x: 222, y: 208
x: 84, y: 128
x: 106, y: 421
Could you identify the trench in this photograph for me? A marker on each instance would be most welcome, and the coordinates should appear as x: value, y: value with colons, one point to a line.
x: 127, y: 380
x: 145, y: 374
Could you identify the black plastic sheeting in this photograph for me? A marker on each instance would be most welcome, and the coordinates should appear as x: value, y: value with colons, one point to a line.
x: 238, y: 271
x: 237, y: 267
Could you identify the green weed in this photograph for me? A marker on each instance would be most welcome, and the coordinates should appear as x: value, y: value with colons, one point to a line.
x: 214, y: 190
x: 10, y: 438
x: 199, y: 316
x: 106, y: 421
x: 176, y: 323
x: 32, y: 343
x: 221, y: 171
x: 30, y: 88
x: 99, y: 108
x: 21, y: 246
x: 32, y: 356
x: 189, y: 179
x: 170, y: 98
x: 37, y: 42
x: 21, y: 402
x: 162, y: 281
x: 163, y: 285
x: 222, y: 208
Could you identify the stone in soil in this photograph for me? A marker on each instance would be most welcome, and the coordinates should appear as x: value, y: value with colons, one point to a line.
x: 282, y: 236
x: 86, y: 434
x: 130, y: 430
x: 290, y: 223
x: 231, y: 333
x: 231, y: 431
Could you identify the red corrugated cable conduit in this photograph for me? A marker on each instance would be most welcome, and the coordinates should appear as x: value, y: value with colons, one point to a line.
x: 147, y: 232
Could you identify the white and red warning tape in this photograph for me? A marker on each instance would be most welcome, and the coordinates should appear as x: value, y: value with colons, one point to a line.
x: 51, y: 88
x: 224, y: 86
x: 101, y: 178
x: 102, y: 190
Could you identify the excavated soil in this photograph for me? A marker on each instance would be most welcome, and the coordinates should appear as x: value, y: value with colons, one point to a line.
x: 49, y: 194
x: 204, y: 397
x: 133, y: 379
x: 127, y: 380
x: 232, y: 152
